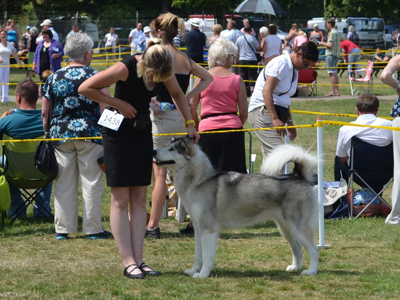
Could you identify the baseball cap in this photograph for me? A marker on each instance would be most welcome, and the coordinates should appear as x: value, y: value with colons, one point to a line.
x: 47, y: 22
x: 28, y: 27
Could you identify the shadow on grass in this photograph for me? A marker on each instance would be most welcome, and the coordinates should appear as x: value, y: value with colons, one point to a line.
x: 226, y: 235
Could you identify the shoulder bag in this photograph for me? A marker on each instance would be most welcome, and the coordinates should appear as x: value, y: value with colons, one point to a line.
x: 45, y: 158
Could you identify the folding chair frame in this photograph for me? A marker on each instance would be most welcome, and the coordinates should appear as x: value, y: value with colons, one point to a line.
x: 351, y: 182
x: 30, y: 197
x: 365, y: 84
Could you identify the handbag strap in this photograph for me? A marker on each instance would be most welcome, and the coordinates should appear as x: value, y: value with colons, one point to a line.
x: 249, y: 44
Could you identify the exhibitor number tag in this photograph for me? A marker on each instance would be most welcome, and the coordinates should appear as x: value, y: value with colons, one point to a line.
x: 110, y: 119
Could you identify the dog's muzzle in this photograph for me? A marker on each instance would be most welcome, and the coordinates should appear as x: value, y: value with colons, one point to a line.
x: 160, y: 162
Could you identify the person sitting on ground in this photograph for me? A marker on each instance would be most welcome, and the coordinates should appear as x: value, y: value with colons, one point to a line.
x: 380, y: 60
x: 367, y: 106
x: 25, y: 123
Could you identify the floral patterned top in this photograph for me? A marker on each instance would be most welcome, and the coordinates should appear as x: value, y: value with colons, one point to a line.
x: 74, y: 115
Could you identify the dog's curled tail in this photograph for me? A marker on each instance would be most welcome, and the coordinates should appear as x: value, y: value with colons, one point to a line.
x: 281, y: 155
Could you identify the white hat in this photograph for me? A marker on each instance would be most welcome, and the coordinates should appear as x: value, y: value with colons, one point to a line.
x: 195, y: 22
x: 315, y: 25
x: 47, y: 22
x: 146, y: 29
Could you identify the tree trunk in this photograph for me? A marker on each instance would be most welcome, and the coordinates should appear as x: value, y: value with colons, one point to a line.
x: 5, y: 9
x: 219, y: 14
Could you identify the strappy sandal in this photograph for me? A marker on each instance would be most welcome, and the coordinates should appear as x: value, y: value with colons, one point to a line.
x: 151, y: 272
x: 133, y: 276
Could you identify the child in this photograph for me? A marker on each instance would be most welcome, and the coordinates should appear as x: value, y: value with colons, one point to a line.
x: 381, y: 60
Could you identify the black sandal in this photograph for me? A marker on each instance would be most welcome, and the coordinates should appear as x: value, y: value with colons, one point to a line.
x: 152, y: 272
x: 133, y: 276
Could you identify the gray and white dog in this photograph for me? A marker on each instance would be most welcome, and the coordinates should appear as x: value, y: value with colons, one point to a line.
x: 222, y: 200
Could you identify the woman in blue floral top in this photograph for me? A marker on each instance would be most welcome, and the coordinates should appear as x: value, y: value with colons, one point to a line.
x: 75, y: 116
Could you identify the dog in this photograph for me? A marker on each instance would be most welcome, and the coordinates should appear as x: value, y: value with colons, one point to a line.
x: 223, y: 200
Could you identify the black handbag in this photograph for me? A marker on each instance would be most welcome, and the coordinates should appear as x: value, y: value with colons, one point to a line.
x: 45, y: 158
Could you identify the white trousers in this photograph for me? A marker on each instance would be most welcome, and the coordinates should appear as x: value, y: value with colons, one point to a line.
x: 78, y: 159
x: 4, y: 80
x: 394, y: 216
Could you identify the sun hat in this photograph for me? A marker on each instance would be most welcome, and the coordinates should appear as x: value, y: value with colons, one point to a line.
x: 315, y: 25
x: 146, y: 29
x: 195, y: 22
x: 28, y: 27
x: 47, y: 22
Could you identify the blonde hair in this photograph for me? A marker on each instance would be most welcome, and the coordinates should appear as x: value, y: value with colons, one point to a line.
x: 169, y: 24
x: 217, y: 28
x: 156, y: 63
x: 301, y: 32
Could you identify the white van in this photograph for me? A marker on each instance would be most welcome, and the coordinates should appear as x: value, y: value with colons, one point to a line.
x: 340, y: 24
x: 370, y: 30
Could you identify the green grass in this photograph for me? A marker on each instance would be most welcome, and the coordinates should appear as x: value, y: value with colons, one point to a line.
x: 361, y: 262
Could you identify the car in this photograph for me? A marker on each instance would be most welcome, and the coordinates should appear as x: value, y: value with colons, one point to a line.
x: 282, y: 34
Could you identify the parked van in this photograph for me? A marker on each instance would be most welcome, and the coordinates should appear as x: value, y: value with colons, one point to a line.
x: 340, y: 24
x: 370, y: 30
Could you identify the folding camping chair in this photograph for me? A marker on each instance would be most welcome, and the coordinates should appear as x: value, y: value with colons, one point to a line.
x: 365, y: 84
x: 22, y: 174
x: 309, y: 77
x: 370, y: 167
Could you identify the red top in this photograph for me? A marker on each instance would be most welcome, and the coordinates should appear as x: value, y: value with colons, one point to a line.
x: 347, y: 46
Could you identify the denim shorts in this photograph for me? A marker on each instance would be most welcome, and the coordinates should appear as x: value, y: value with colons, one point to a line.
x: 331, y: 63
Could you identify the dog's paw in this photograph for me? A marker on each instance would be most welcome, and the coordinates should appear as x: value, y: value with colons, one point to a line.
x: 201, y: 275
x: 309, y: 272
x: 292, y: 268
x: 190, y: 272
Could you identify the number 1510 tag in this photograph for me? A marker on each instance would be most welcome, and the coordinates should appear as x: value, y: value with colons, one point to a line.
x: 110, y: 119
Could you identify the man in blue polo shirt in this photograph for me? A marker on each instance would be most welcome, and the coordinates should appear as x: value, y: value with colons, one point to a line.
x: 25, y: 123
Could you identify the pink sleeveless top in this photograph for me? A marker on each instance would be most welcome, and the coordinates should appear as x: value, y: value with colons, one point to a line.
x: 219, y: 104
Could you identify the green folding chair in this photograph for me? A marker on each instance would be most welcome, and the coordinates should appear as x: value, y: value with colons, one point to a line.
x: 22, y: 173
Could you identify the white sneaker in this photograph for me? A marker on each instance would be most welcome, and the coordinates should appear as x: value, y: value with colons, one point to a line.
x: 5, y: 100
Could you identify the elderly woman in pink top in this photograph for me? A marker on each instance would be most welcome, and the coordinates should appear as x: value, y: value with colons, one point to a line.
x: 220, y: 103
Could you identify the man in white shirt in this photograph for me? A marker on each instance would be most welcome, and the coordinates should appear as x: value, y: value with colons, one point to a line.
x: 133, y: 37
x: 47, y: 24
x: 270, y: 102
x: 231, y: 33
x: 247, y: 45
x: 367, y: 106
x: 74, y: 29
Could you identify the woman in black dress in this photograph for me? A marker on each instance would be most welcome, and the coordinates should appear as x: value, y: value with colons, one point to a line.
x: 128, y: 151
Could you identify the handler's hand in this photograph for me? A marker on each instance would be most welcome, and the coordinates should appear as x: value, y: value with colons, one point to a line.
x: 292, y: 133
x: 127, y: 110
x: 192, y: 133
x: 279, y: 123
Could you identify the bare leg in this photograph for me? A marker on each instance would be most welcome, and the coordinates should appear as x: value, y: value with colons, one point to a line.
x: 158, y: 196
x: 128, y: 225
x: 334, y: 81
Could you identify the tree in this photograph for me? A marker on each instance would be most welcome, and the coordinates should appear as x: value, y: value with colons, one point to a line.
x: 363, y: 8
x: 10, y: 9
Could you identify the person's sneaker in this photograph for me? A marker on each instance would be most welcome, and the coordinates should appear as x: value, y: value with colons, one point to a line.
x: 61, y: 236
x: 187, y: 230
x: 102, y: 235
x: 153, y: 233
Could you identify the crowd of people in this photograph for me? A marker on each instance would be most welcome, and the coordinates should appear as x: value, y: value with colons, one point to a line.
x: 157, y: 75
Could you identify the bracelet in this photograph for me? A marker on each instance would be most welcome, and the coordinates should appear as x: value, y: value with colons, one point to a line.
x: 189, y: 122
x: 289, y: 121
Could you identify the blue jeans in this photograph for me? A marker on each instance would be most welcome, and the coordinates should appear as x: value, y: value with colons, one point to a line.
x: 354, y: 58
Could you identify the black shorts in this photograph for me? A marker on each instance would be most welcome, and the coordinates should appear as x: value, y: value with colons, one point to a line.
x: 248, y: 73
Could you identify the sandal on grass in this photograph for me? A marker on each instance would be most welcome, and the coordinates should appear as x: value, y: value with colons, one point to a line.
x: 133, y: 276
x: 150, y: 272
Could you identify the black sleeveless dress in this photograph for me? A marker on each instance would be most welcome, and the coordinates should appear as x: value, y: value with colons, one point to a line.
x: 128, y: 152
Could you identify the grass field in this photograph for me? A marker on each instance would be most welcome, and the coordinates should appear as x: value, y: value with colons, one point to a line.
x: 361, y: 262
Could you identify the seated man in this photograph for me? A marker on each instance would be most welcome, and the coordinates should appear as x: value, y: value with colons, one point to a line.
x: 25, y: 123
x: 367, y: 106
x: 380, y: 60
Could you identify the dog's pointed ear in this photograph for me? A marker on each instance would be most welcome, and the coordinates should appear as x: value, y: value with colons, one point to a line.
x: 188, y: 145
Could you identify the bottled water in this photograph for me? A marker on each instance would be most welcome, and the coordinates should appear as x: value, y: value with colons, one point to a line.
x: 166, y: 106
